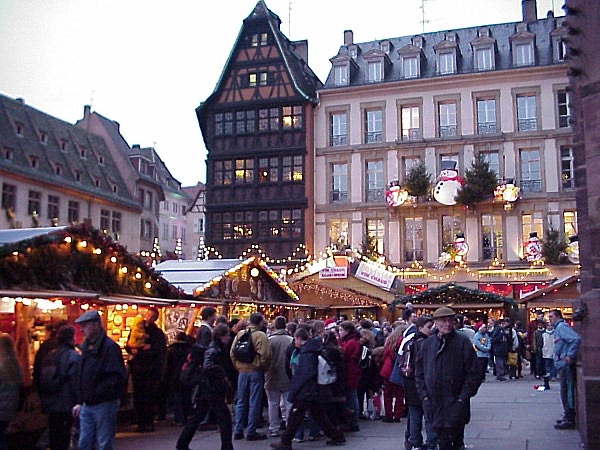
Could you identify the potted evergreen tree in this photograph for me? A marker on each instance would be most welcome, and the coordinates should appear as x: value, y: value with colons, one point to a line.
x: 418, y: 181
x: 480, y: 183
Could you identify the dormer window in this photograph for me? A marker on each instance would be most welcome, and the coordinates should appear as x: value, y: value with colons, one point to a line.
x: 340, y: 74
x: 445, y: 54
x: 43, y: 137
x: 353, y: 51
x: 8, y: 154
x: 77, y: 175
x: 375, y: 71
x: 484, y: 50
x: 114, y: 188
x: 385, y: 46
x: 101, y: 160
x: 417, y: 41
x: 97, y: 182
x: 63, y: 144
x: 19, y: 129
x: 411, y: 57
x: 58, y: 169
x: 34, y: 162
x: 522, y: 46
x: 410, y: 67
x: 83, y: 152
x: 559, y: 49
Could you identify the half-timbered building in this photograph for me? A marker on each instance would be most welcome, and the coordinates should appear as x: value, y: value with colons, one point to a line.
x: 258, y: 129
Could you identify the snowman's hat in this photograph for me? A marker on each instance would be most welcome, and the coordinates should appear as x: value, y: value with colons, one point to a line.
x: 533, y: 234
x: 509, y: 181
x: 574, y: 238
x: 448, y: 165
x: 460, y: 236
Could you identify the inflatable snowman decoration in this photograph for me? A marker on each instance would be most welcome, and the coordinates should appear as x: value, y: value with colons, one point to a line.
x: 461, y: 247
x: 448, y: 185
x: 533, y: 249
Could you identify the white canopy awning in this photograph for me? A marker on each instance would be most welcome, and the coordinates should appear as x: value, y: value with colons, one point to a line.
x: 21, y: 234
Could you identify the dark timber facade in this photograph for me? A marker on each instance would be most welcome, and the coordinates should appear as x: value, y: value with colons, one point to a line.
x: 257, y: 128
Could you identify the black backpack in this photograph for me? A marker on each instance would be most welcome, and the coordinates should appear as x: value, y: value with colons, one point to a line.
x: 365, y: 358
x: 191, y: 370
x: 244, y: 348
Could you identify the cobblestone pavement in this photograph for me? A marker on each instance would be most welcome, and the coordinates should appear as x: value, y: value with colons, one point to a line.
x: 509, y: 415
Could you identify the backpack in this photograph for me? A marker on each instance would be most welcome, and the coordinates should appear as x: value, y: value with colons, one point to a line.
x: 51, y: 379
x: 365, y: 358
x: 191, y: 369
x: 243, y: 349
x: 326, y: 371
x: 404, y: 357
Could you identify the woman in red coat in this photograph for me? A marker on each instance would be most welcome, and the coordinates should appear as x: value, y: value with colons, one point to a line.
x: 393, y: 394
x: 350, y: 343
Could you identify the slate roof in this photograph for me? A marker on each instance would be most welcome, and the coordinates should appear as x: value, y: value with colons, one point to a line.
x: 50, y: 154
x: 501, y: 33
x: 304, y: 79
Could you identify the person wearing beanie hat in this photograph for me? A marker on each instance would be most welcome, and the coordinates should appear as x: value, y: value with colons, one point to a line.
x: 447, y: 376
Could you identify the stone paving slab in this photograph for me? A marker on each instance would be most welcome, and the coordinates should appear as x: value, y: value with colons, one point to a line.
x: 504, y: 416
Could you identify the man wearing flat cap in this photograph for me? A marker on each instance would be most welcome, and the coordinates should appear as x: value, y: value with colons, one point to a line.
x: 447, y: 377
x: 100, y: 384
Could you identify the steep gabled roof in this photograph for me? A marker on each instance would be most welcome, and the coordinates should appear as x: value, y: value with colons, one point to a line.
x: 303, y: 78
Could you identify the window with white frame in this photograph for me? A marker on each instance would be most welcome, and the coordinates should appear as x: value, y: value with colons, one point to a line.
x: 268, y: 170
x: 410, y: 122
x: 447, y: 119
x: 447, y: 63
x: 484, y: 58
x: 116, y: 221
x: 570, y: 223
x: 73, y: 212
x: 524, y: 54
x: 491, y: 237
x: 373, y: 126
x: 374, y: 181
x: 567, y: 168
x: 340, y: 75
x: 53, y: 206
x: 165, y: 232
x: 408, y: 163
x: 530, y: 165
x: 410, y: 67
x: 145, y: 229
x: 527, y: 112
x: 493, y: 159
x: 375, y: 69
x: 376, y: 234
x: 338, y: 233
x: 564, y: 110
x: 104, y: 219
x: 451, y: 226
x: 34, y: 205
x: 532, y: 222
x: 413, y: 239
x: 9, y: 196
x: 338, y: 129
x: 486, y: 116
x: 339, y: 182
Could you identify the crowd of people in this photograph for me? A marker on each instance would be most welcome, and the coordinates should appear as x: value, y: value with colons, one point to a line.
x: 423, y: 369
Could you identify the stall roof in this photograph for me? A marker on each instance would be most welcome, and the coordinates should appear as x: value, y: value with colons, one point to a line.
x: 50, y: 294
x: 189, y: 274
x: 21, y: 234
x: 558, y: 284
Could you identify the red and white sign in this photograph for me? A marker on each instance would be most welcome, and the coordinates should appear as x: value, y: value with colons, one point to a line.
x: 333, y: 272
x: 375, y: 275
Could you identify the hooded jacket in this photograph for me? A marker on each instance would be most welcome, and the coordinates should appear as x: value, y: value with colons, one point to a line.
x: 303, y: 386
x: 566, y: 343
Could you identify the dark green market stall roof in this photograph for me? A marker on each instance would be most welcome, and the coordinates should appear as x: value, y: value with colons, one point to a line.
x: 453, y: 294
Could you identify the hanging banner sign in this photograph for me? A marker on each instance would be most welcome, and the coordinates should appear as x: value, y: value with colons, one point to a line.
x: 375, y: 275
x: 334, y: 272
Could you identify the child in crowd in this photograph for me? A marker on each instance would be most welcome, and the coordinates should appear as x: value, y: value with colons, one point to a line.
x: 137, y: 335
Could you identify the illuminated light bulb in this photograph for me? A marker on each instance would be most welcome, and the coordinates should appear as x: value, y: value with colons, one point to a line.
x: 138, y: 276
x: 97, y: 251
x: 124, y: 269
x: 68, y: 239
x: 83, y: 244
x: 113, y: 259
x: 148, y: 285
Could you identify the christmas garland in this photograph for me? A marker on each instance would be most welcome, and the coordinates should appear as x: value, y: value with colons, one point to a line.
x: 452, y: 293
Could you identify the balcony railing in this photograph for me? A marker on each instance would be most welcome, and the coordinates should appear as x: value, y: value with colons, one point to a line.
x: 372, y: 137
x: 339, y: 196
x: 531, y: 185
x: 486, y: 128
x: 339, y: 139
x: 448, y: 131
x: 528, y: 124
x: 414, y: 134
x: 374, y: 195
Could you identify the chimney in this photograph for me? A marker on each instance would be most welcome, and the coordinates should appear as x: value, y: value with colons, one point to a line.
x: 301, y: 49
x: 348, y: 37
x: 87, y: 109
x: 529, y: 10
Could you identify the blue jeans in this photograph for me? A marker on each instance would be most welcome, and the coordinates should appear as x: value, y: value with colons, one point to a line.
x: 97, y: 425
x: 352, y: 403
x: 248, y: 404
x: 415, y: 426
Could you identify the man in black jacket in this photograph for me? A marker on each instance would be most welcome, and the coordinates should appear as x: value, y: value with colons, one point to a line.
x: 101, y: 381
x: 447, y: 376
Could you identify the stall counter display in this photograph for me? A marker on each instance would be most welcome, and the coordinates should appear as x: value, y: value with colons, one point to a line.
x: 119, y: 321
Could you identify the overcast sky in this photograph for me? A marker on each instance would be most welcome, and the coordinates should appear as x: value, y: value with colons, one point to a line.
x: 148, y: 64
